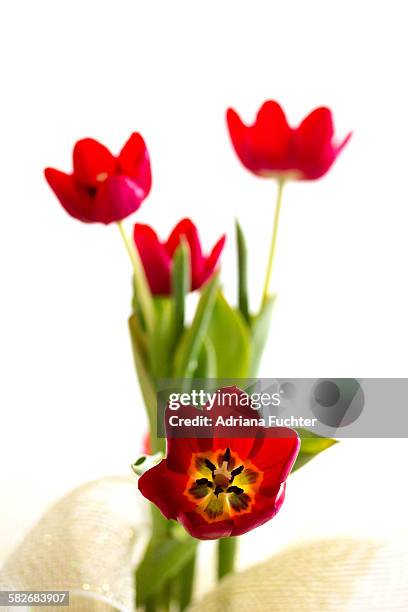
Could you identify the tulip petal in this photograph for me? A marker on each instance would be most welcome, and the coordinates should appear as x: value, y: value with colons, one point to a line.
x: 276, y: 454
x: 201, y: 529
x: 265, y: 509
x: 319, y: 166
x: 230, y: 402
x: 241, y: 447
x: 270, y: 147
x: 153, y: 252
x: 98, y: 191
x: 116, y: 198
x: 75, y: 200
x: 314, y: 133
x: 270, y: 138
x: 339, y: 147
x: 134, y: 161
x: 155, y: 259
x: 313, y: 152
x: 165, y: 489
x: 217, y: 487
x: 264, y: 147
x: 187, y: 229
x: 181, y: 450
x: 239, y: 134
x: 93, y: 162
x: 212, y: 260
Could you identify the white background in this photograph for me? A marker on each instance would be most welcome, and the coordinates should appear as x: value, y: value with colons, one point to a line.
x: 70, y: 406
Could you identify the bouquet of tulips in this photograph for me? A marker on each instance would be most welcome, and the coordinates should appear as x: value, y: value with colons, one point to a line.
x: 208, y: 488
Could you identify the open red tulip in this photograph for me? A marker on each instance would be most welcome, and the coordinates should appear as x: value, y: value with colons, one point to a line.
x: 103, y: 188
x: 157, y: 256
x: 271, y: 148
x: 218, y: 487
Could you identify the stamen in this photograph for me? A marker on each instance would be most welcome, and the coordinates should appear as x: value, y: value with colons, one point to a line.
x: 210, y: 465
x: 237, y: 471
x: 236, y: 490
x: 222, y: 476
x: 217, y: 496
x: 204, y: 481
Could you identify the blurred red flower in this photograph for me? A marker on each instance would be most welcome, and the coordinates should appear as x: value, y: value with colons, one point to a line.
x: 157, y: 256
x: 147, y: 444
x: 103, y: 188
x: 218, y: 487
x: 271, y: 148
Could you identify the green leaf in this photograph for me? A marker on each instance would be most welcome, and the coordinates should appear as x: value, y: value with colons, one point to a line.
x: 143, y: 295
x: 207, y: 361
x: 190, y: 345
x: 162, y: 337
x: 230, y: 338
x: 260, y: 324
x: 242, y: 272
x: 311, y: 445
x: 180, y: 284
x: 186, y: 584
x: 163, y: 560
x: 139, y: 346
x: 146, y: 381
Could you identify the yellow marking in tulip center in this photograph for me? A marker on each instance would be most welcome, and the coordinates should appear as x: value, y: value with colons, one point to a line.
x: 222, y: 486
x: 101, y: 177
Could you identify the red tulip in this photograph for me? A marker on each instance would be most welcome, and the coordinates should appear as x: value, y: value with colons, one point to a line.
x: 157, y: 256
x: 147, y: 444
x: 271, y: 148
x: 218, y: 487
x: 103, y: 188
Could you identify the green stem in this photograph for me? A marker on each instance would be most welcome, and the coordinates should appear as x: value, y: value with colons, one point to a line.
x: 242, y: 273
x: 227, y: 548
x: 187, y: 583
x: 160, y: 525
x: 268, y: 276
x: 160, y: 602
x: 165, y: 598
x: 181, y: 275
x: 150, y: 606
x: 142, y: 286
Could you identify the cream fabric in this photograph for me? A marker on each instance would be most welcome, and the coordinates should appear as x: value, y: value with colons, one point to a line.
x: 85, y: 544
x: 89, y: 541
x: 342, y: 575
